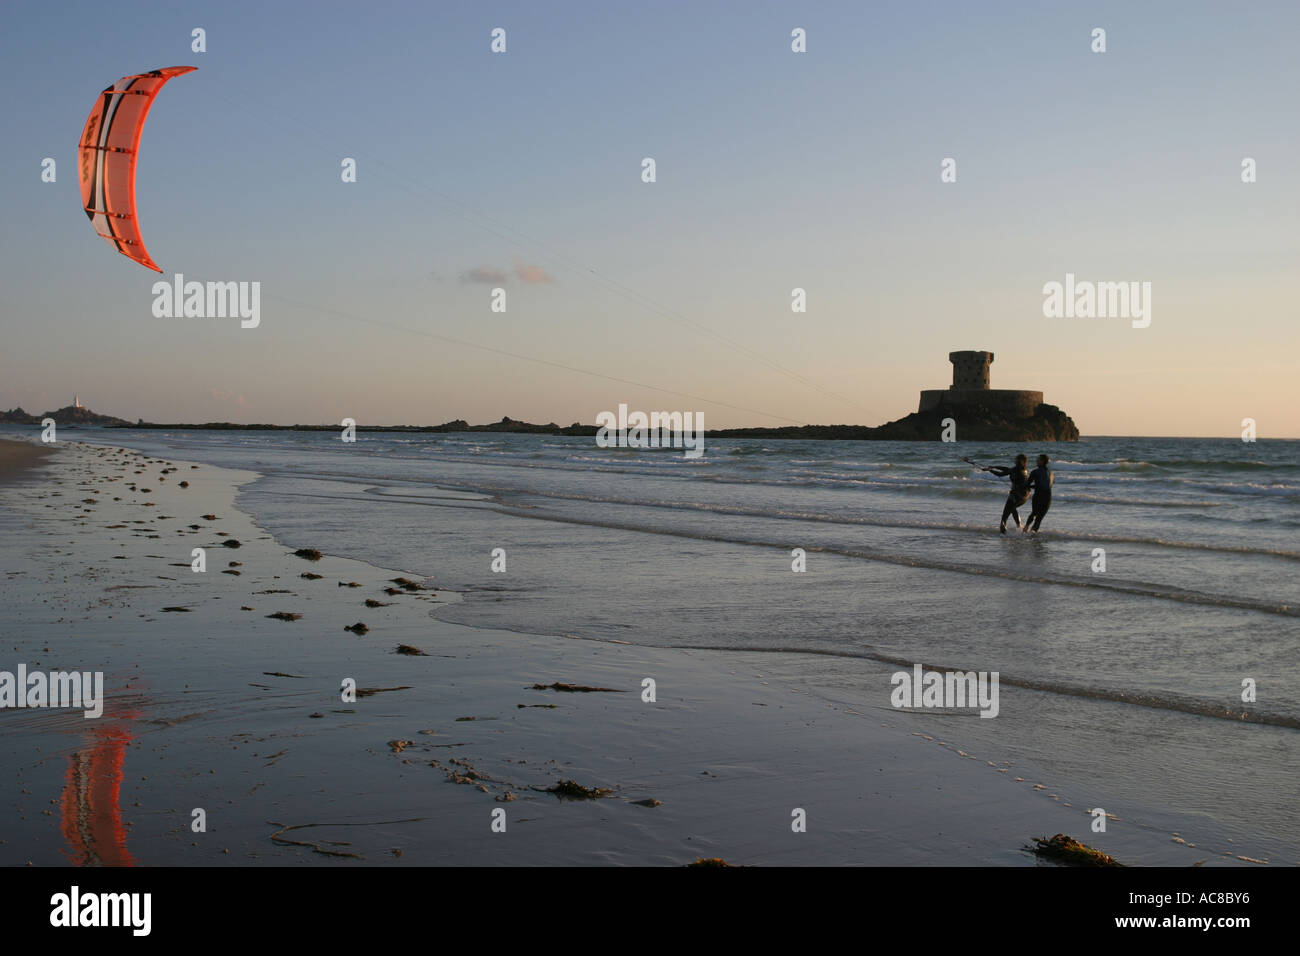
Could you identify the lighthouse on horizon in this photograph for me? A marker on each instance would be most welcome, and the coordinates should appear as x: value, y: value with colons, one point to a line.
x: 76, y: 402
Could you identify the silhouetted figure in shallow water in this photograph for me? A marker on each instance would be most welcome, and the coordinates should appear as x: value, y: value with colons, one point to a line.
x: 1040, y: 480
x: 1019, y: 475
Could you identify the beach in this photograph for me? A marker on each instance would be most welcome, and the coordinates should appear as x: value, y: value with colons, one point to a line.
x: 212, y: 705
x: 18, y: 457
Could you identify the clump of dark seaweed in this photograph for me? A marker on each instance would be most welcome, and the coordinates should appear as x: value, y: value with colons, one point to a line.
x: 576, y: 688
x: 309, y: 554
x: 231, y: 543
x: 357, y: 628
x: 285, y: 616
x: 572, y: 790
x: 1063, y: 849
x: 710, y: 861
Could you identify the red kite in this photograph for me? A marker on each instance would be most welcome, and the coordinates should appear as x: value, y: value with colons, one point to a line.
x: 106, y: 159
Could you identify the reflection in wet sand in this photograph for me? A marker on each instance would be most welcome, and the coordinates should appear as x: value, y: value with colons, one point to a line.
x: 91, y: 817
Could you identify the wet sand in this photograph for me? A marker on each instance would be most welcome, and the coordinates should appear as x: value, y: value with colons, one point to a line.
x: 17, y: 458
x: 224, y: 706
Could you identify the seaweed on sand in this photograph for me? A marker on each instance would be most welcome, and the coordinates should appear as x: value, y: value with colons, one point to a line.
x: 572, y: 790
x: 310, y: 554
x: 285, y: 616
x: 576, y: 688
x: 1070, y: 852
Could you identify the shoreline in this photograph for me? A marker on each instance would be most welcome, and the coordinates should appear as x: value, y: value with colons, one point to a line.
x: 239, y: 714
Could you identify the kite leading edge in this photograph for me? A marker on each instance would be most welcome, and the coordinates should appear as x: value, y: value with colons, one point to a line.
x: 106, y: 159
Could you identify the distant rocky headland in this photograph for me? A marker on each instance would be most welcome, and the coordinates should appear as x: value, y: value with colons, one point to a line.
x: 974, y: 423
x: 969, y: 407
x: 507, y: 425
x: 74, y: 414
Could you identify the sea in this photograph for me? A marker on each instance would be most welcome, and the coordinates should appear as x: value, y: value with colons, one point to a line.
x: 1147, y: 639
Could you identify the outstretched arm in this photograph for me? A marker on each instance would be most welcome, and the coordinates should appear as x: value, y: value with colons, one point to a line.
x: 999, y: 470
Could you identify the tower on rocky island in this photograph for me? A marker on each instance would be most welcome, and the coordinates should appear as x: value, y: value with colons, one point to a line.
x: 970, y: 369
x: 970, y: 386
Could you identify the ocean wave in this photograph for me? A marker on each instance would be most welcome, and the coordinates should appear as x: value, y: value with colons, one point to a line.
x: 1095, y: 582
x: 1183, y: 704
x: 1066, y: 466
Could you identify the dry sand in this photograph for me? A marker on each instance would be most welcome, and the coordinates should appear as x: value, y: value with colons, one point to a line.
x: 220, y: 708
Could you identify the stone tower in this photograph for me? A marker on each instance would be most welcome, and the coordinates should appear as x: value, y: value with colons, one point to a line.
x: 970, y: 386
x: 970, y: 369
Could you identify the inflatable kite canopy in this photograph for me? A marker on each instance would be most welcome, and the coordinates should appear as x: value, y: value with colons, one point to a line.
x: 106, y: 159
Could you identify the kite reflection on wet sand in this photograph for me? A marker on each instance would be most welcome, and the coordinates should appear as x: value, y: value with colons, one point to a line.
x: 106, y: 158
x: 90, y: 810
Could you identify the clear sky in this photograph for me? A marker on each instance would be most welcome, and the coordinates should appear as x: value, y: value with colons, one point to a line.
x: 775, y: 170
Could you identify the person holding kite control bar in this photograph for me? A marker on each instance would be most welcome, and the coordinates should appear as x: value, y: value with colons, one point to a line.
x: 1019, y: 475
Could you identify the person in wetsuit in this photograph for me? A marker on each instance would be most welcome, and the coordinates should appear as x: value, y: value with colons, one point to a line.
x: 1019, y: 475
x: 1040, y: 480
